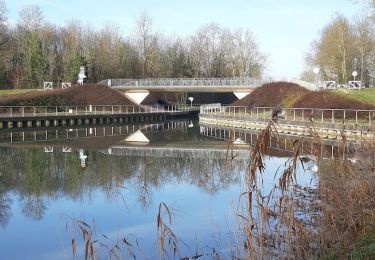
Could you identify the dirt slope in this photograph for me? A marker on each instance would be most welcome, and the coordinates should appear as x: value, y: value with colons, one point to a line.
x: 273, y: 94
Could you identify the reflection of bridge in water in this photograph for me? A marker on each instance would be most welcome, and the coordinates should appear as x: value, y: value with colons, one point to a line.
x: 70, y: 134
x: 203, y: 151
x: 149, y: 141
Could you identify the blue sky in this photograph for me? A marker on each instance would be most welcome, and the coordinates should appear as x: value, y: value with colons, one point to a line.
x: 284, y: 29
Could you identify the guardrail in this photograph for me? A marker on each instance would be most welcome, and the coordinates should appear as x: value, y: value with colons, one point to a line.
x: 33, y: 111
x: 345, y: 117
x: 163, y: 82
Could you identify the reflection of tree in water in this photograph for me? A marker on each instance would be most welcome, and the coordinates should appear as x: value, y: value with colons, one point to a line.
x: 34, y: 207
x: 46, y: 177
x: 146, y: 178
x: 5, y: 213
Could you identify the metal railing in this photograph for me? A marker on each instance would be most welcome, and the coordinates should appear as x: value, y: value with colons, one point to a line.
x: 320, y: 117
x: 305, y: 84
x: 165, y: 82
x: 33, y: 111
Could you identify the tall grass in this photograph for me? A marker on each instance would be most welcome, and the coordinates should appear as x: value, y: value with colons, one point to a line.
x: 303, y: 223
x: 168, y: 241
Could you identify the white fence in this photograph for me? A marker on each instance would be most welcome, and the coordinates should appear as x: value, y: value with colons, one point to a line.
x: 47, y: 85
x: 32, y: 111
x: 337, y: 117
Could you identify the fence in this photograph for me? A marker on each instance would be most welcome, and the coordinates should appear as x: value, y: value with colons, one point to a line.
x: 32, y: 111
x: 327, y: 117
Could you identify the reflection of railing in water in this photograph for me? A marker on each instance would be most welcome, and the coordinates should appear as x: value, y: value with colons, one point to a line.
x: 326, y: 149
x: 180, y: 152
x: 16, y: 137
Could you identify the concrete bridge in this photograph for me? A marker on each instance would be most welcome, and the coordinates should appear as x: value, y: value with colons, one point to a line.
x: 138, y: 89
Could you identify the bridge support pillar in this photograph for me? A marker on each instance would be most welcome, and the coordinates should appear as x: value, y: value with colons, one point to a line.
x: 242, y: 94
x: 136, y: 96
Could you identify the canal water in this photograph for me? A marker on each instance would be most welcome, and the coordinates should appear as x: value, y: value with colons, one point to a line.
x: 107, y: 185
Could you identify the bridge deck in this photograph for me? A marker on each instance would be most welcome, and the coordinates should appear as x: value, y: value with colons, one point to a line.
x: 197, y: 89
x: 185, y: 84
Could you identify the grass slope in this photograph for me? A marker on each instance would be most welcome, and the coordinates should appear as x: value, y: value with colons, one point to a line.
x: 9, y: 92
x: 330, y: 100
x: 364, y: 95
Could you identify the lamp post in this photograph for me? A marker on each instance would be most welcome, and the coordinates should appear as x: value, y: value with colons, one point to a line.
x: 316, y: 72
x: 191, y: 101
x: 354, y: 74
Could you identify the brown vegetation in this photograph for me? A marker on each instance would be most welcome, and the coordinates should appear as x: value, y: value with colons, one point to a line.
x: 273, y: 94
x: 292, y: 95
x: 333, y: 221
x: 89, y: 94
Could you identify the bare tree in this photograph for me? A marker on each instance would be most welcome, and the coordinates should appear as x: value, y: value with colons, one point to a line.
x: 334, y: 52
x: 220, y: 52
x: 30, y: 17
x: 245, y: 57
x: 208, y: 50
x: 146, y: 41
x: 365, y: 42
x: 3, y: 13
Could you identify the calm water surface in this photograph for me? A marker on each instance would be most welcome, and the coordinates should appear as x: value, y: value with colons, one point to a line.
x: 129, y: 171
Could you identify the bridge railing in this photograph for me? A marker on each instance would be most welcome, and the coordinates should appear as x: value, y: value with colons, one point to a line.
x: 164, y: 82
x: 343, y: 118
x: 37, y: 111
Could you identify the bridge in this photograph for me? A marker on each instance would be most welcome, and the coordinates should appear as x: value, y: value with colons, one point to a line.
x: 138, y: 89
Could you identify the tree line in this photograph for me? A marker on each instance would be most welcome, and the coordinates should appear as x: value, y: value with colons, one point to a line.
x: 345, y: 46
x: 34, y: 51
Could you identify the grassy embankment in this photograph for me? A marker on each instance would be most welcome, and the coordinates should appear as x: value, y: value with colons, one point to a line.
x: 9, y: 92
x: 364, y: 95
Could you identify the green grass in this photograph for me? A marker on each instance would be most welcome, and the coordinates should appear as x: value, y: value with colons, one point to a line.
x: 9, y: 92
x: 364, y: 95
x: 365, y: 249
